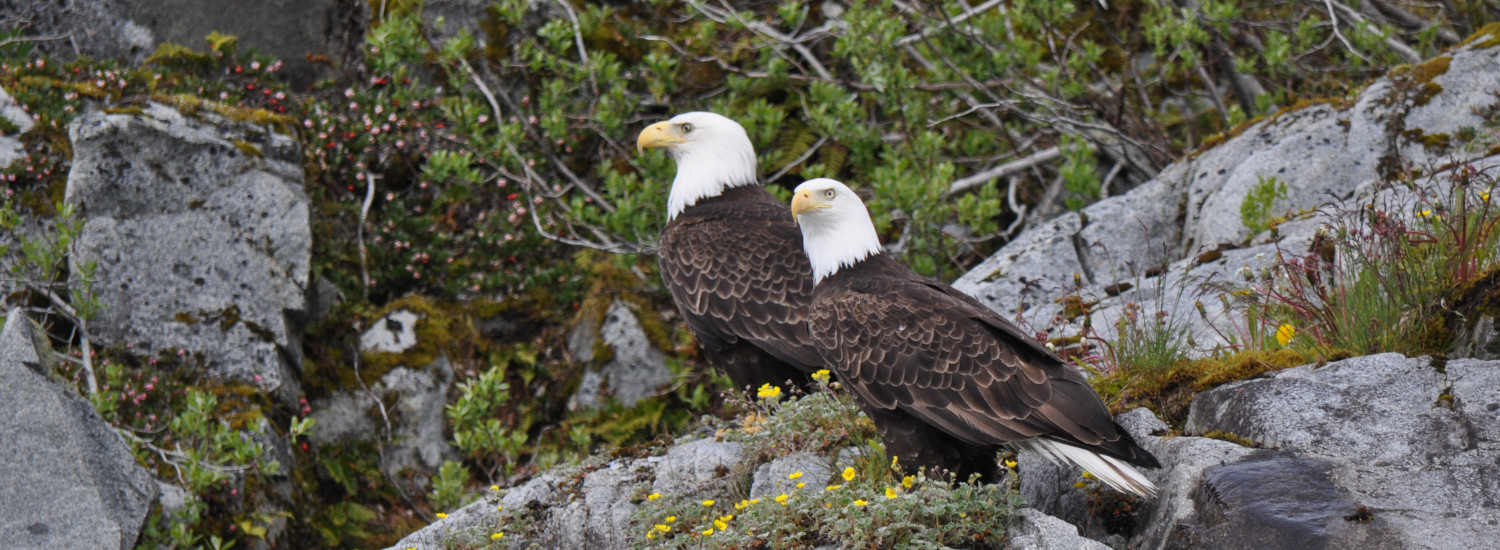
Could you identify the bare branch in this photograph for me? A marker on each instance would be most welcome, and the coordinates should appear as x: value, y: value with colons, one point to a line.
x: 1019, y: 165
x: 930, y: 31
x: 799, y: 160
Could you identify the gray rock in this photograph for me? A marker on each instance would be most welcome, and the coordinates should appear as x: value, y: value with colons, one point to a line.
x: 472, y: 524
x: 1323, y: 153
x: 418, y: 418
x: 637, y: 371
x: 773, y: 478
x: 322, y: 298
x: 394, y: 333
x: 11, y: 148
x: 99, y: 29
x: 416, y: 415
x: 200, y: 246
x: 700, y: 467
x: 1410, y: 439
x: 1034, y: 530
x: 69, y: 480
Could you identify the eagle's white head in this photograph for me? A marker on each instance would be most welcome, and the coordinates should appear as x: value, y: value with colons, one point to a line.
x: 713, y: 153
x: 836, y: 227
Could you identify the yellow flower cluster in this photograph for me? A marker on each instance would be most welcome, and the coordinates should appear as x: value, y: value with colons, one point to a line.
x: 1284, y: 334
x: 768, y: 391
x: 821, y: 376
x: 849, y: 474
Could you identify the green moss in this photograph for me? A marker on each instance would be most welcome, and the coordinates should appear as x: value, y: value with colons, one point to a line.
x: 179, y: 56
x: 248, y: 148
x: 1168, y: 392
x: 191, y: 105
x: 1232, y: 438
x: 1487, y: 36
x: 1431, y: 142
x: 124, y: 111
x: 438, y: 329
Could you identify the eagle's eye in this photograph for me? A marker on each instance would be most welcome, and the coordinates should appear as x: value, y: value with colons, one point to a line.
x: 687, y: 127
x: 828, y: 194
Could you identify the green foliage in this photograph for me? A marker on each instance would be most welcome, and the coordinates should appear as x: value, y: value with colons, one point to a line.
x: 448, y: 491
x: 1385, y: 279
x: 1258, y: 208
x: 1079, y: 173
x: 477, y: 432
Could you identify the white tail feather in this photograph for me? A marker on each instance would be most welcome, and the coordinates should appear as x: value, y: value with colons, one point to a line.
x: 1112, y: 471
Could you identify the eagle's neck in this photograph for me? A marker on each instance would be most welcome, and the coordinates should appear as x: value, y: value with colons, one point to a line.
x: 707, y: 170
x: 839, y: 243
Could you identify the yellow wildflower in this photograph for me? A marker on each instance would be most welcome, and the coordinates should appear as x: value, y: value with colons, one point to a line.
x: 494, y: 487
x: 726, y: 517
x: 893, y: 461
x: 1080, y: 484
x: 794, y: 475
x: 650, y: 535
x: 708, y: 531
x: 801, y: 484
x: 499, y: 507
x: 907, y: 481
x: 781, y: 499
x: 671, y: 519
x: 891, y: 493
x: 821, y: 376
x: 834, y: 487
x: 662, y: 528
x: 741, y: 505
x: 441, y: 515
x: 1284, y: 333
x: 768, y: 391
x: 1087, y: 475
x: 709, y: 502
x: 860, y: 502
x: 1484, y: 196
x: 849, y: 474
x: 497, y: 536
x: 1424, y: 213
x: 754, y: 501
x: 653, y: 496
x: 1010, y: 464
x: 720, y: 524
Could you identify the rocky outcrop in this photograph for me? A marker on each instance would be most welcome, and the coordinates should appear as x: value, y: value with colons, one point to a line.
x: 1382, y: 451
x: 634, y: 371
x: 1187, y: 219
x: 595, y: 507
x: 10, y: 144
x: 310, y: 38
x: 68, y: 480
x: 201, y: 234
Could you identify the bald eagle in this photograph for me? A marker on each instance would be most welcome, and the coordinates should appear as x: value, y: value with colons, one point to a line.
x: 731, y: 255
x: 945, y: 379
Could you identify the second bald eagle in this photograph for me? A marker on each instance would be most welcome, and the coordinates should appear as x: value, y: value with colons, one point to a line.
x: 946, y: 379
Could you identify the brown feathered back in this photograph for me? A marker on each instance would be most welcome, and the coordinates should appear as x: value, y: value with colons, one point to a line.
x: 908, y: 345
x: 735, y: 267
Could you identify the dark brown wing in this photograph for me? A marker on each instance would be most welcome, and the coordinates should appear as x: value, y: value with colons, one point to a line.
x: 917, y: 346
x: 735, y: 267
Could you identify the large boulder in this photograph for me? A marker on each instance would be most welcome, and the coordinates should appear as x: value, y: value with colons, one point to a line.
x: 68, y: 480
x: 1156, y: 245
x: 1382, y: 451
x: 201, y: 235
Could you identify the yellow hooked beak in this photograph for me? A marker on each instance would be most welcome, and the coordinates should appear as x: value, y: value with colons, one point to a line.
x: 804, y: 202
x: 661, y: 134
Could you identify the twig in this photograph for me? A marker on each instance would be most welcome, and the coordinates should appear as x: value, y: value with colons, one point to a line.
x: 927, y: 32
x: 800, y: 159
x: 583, y: 54
x: 1040, y: 157
x: 1334, y: 18
x: 764, y: 29
x: 1015, y: 206
x: 359, y: 231
x: 1109, y: 177
x: 83, y: 331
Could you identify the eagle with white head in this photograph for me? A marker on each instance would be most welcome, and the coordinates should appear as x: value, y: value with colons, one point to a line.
x: 946, y: 379
x: 731, y: 255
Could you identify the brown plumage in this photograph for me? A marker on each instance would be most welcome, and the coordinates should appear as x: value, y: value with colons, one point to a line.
x: 735, y: 269
x: 946, y: 379
x: 732, y: 256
